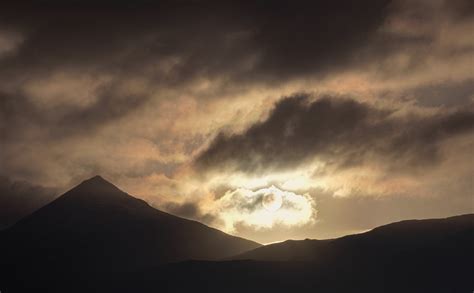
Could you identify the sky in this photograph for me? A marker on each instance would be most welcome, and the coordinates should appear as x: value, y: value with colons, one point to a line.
x: 268, y: 120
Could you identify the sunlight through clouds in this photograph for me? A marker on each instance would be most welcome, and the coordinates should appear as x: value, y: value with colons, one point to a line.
x: 265, y: 207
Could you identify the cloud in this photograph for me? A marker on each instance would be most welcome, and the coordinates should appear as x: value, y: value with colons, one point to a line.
x: 459, y: 93
x: 63, y: 120
x: 339, y: 131
x: 134, y: 91
x: 85, y: 66
x: 9, y: 41
x: 266, y: 37
x: 260, y: 208
x: 20, y: 198
x: 73, y: 70
x: 169, y: 41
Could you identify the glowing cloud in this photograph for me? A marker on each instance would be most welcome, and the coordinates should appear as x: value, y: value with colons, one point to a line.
x: 264, y: 208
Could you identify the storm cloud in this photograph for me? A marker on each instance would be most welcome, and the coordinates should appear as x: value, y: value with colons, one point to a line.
x: 125, y: 37
x: 163, y: 44
x: 340, y: 131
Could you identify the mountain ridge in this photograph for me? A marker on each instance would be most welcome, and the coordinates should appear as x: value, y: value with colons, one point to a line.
x: 433, y: 255
x: 98, y: 238
x: 418, y: 228
x: 101, y: 228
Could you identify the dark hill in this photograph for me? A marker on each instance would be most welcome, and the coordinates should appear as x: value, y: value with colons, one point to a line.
x: 392, y: 239
x: 96, y: 238
x: 95, y: 228
x: 409, y: 256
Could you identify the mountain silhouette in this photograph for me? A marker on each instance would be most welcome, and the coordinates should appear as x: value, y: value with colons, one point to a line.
x: 95, y: 227
x: 410, y: 256
x: 96, y: 238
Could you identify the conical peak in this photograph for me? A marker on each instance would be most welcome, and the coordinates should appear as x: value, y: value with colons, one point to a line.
x: 97, y: 180
x: 96, y: 186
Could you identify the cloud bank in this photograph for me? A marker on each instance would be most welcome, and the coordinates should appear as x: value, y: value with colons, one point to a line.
x: 183, y: 103
x: 343, y: 132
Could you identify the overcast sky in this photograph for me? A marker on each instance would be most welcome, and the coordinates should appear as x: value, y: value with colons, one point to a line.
x: 269, y: 120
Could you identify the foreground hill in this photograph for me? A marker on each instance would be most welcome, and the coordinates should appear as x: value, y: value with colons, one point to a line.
x: 96, y: 228
x: 392, y: 239
x: 410, y: 256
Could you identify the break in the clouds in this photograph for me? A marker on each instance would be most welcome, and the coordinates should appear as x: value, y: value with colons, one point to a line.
x: 184, y: 103
x: 265, y: 208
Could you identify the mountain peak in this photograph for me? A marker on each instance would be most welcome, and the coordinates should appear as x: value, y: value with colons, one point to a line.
x: 101, y: 228
x: 96, y: 181
x: 96, y: 187
x: 96, y: 178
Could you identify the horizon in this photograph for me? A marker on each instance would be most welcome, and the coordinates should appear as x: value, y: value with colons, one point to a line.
x: 268, y: 120
x: 98, y: 176
x: 284, y: 240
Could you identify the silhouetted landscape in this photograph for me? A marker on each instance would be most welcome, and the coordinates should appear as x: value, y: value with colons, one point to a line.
x: 96, y: 228
x: 97, y: 238
x: 237, y: 146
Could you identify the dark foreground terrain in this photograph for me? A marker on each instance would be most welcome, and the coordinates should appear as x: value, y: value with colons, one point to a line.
x: 96, y: 238
x: 410, y: 256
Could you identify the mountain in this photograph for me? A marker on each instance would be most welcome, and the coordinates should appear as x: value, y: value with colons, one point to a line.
x: 392, y: 239
x: 96, y: 238
x: 96, y: 228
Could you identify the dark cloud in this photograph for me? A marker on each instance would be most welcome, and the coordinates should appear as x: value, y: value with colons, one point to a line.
x: 459, y: 10
x: 208, y: 37
x: 339, y: 131
x: 168, y: 43
x: 150, y: 167
x: 281, y: 39
x: 459, y: 93
x: 413, y: 36
x: 20, y: 198
x: 19, y: 114
x: 315, y: 36
x: 173, y: 42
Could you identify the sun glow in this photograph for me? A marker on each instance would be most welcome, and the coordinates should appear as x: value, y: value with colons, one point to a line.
x: 295, y: 180
x: 272, y: 199
x: 264, y: 208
